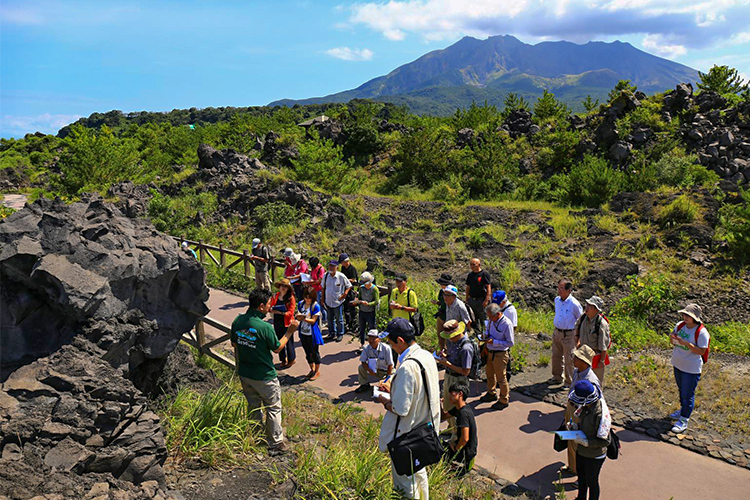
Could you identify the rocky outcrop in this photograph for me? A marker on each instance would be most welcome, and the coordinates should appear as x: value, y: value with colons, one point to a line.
x: 132, y: 199
x: 519, y: 123
x: 86, y: 266
x: 92, y: 304
x: 275, y: 152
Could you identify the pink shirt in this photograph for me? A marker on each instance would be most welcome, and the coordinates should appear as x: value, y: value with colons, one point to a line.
x: 317, y: 274
x: 291, y: 270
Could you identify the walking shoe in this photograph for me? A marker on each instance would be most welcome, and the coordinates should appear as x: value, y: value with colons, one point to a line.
x: 330, y: 337
x: 362, y: 388
x: 680, y: 426
x: 675, y: 415
x: 339, y: 338
x: 567, y: 470
x: 554, y: 381
x: 490, y: 396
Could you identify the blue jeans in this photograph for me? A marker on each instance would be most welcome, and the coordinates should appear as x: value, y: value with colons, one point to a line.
x: 686, y: 384
x: 336, y: 321
x: 366, y: 323
x: 323, y: 309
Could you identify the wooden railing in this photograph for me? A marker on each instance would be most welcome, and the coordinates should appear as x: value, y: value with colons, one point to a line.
x: 197, y: 338
x: 225, y: 261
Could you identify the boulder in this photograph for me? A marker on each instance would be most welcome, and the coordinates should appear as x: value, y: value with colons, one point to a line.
x: 276, y: 152
x: 464, y: 137
x: 620, y: 151
x: 679, y: 98
x: 88, y: 269
x: 518, y: 123
x: 709, y: 100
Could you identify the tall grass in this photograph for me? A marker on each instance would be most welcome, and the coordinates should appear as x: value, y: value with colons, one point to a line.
x: 568, y: 226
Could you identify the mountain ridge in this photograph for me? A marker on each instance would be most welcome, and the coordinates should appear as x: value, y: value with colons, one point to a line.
x: 502, y: 64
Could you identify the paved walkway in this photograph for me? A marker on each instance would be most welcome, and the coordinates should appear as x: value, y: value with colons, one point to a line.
x: 515, y: 443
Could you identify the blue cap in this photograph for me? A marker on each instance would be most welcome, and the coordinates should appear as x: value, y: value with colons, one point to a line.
x: 584, y: 393
x: 498, y: 296
x: 343, y: 257
x: 333, y: 262
x: 399, y: 327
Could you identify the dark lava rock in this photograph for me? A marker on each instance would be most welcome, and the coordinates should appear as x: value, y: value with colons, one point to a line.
x: 86, y: 266
x: 132, y: 199
x: 464, y: 137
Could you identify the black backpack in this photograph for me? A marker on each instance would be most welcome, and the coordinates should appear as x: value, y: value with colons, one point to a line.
x: 476, y: 358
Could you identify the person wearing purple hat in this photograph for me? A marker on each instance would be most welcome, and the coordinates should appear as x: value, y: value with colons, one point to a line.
x: 593, y: 419
x: 335, y: 288
x: 409, y: 405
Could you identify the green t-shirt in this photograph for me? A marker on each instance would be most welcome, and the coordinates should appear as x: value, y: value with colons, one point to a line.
x: 255, y: 341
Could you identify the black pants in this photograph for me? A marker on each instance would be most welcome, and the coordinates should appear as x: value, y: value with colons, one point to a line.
x: 312, y: 350
x: 351, y: 316
x: 588, y: 476
x: 287, y: 354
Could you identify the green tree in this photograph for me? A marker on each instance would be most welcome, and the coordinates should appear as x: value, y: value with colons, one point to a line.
x: 513, y: 102
x: 622, y: 85
x: 322, y: 163
x: 722, y: 79
x: 94, y: 160
x: 548, y: 107
x: 590, y: 104
x: 422, y: 156
x: 593, y: 182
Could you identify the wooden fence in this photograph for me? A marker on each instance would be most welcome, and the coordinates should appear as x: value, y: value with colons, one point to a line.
x: 226, y: 255
x: 197, y: 338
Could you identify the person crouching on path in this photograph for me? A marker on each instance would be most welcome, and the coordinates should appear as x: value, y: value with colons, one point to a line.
x: 582, y: 358
x: 593, y: 419
x: 283, y: 307
x: 567, y: 312
x: 500, y: 338
x: 253, y: 341
x: 592, y: 329
x: 308, y: 315
x: 375, y: 362
x: 368, y: 301
x: 691, y: 341
x: 463, y: 449
x: 457, y: 359
x: 408, y: 406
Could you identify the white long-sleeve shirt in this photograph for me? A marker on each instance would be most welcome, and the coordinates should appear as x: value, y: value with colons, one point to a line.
x: 567, y: 312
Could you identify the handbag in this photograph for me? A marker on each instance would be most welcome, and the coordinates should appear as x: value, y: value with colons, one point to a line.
x: 419, y: 447
x: 613, y: 448
x: 560, y: 444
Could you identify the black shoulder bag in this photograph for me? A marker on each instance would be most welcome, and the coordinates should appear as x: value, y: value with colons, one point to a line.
x: 419, y: 447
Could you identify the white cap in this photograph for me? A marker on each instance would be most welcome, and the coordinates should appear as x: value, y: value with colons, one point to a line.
x: 184, y: 244
x: 288, y: 252
x: 256, y: 242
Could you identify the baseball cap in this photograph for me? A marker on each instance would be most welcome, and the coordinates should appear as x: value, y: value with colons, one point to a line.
x: 256, y: 242
x: 343, y: 257
x: 184, y: 244
x: 400, y: 277
x: 498, y: 296
x: 451, y: 289
x: 333, y: 262
x: 398, y: 327
x: 373, y: 333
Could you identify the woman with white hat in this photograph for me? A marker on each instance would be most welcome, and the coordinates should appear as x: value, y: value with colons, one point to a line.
x: 691, y: 341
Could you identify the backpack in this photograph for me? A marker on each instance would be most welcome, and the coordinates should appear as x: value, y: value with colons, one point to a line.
x: 476, y: 356
x: 472, y: 316
x: 415, y: 318
x: 697, y: 334
x: 613, y: 448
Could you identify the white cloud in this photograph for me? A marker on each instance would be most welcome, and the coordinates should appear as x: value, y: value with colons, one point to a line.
x: 670, y: 26
x: 348, y: 54
x: 658, y: 44
x: 47, y: 123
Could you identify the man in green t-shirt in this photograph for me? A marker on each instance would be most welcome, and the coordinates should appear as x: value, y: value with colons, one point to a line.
x: 254, y: 341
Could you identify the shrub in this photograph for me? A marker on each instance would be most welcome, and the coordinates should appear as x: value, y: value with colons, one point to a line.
x: 592, y: 182
x: 323, y: 164
x: 680, y: 170
x: 734, y: 227
x: 449, y: 191
x: 176, y: 214
x: 510, y: 275
x: 651, y: 294
x: 682, y: 210
x: 476, y: 239
x: 275, y: 218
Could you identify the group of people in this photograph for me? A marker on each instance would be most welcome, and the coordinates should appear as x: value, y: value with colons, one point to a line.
x: 410, y: 392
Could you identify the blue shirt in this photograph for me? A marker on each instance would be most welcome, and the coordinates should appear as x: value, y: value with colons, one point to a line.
x: 501, y: 333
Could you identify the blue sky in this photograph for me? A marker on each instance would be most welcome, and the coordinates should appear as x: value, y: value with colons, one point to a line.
x: 60, y: 60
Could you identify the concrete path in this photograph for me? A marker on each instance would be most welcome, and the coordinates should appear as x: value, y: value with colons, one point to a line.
x: 515, y: 443
x: 15, y: 201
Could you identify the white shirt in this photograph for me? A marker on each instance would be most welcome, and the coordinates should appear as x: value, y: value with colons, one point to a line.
x: 683, y: 358
x: 409, y: 398
x: 383, y: 354
x: 567, y: 312
x: 334, y: 286
x: 511, y: 314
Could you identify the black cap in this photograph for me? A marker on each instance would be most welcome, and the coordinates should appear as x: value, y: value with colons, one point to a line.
x: 400, y: 277
x: 399, y: 327
x: 445, y: 279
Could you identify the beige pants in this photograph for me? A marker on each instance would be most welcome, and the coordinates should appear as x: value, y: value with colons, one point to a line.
x: 265, y: 395
x: 416, y: 486
x: 262, y: 281
x: 497, y: 363
x: 599, y: 372
x: 563, y: 345
x: 572, y: 446
x: 365, y: 377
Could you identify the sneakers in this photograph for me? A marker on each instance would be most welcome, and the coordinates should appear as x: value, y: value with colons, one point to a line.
x: 675, y: 415
x: 339, y: 338
x: 680, y: 426
x: 490, y: 396
x: 362, y: 388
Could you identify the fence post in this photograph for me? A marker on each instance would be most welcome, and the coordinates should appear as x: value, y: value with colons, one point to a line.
x: 200, y: 333
x: 222, y: 259
x: 246, y: 261
x: 200, y: 250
